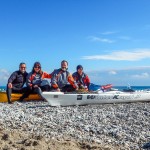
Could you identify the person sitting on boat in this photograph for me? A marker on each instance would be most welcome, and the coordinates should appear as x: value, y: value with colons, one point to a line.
x: 16, y: 82
x: 34, y: 81
x: 62, y: 80
x: 81, y: 78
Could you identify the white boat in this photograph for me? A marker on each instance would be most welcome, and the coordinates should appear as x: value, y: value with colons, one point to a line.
x: 66, y: 99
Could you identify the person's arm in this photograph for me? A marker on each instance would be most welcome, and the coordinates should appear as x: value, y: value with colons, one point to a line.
x: 72, y: 81
x: 74, y: 76
x: 46, y: 75
x: 54, y: 81
x: 87, y: 81
x: 29, y: 81
x: 11, y: 79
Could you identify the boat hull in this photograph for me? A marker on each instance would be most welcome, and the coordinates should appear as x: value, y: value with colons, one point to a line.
x: 16, y: 96
x: 61, y: 99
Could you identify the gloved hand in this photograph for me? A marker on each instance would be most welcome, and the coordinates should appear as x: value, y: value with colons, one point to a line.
x: 81, y: 86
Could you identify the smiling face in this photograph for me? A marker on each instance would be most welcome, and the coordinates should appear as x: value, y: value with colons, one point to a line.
x: 22, y: 68
x: 64, y: 66
x: 80, y: 71
x: 37, y: 68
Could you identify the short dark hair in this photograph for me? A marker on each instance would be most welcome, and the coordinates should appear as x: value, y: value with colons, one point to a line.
x: 22, y: 63
x: 37, y: 63
x: 64, y: 61
x: 79, y: 67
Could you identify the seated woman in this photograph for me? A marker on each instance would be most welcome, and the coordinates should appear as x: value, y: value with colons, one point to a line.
x: 34, y: 81
x: 81, y: 78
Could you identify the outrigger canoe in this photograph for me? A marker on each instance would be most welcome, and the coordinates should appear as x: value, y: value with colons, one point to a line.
x: 16, y: 96
x: 66, y: 99
x: 99, y: 97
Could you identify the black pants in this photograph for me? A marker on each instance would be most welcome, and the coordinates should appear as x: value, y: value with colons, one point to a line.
x: 37, y: 90
x: 9, y: 91
x: 67, y: 88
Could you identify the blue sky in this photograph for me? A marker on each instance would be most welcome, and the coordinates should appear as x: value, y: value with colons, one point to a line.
x: 110, y: 38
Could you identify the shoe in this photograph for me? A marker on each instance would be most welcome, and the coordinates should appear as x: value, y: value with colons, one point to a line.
x: 44, y: 100
x: 10, y: 102
x: 20, y: 99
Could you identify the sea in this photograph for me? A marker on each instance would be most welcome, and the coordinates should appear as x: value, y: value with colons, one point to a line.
x: 3, y: 88
x: 132, y: 87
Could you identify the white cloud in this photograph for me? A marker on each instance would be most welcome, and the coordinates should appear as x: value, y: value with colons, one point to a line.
x: 136, y: 68
x: 4, y: 71
x: 132, y: 55
x: 4, y: 75
x: 124, y: 38
x: 116, y: 71
x: 141, y: 76
x: 108, y: 32
x: 112, y: 72
x: 135, y: 76
x: 98, y: 39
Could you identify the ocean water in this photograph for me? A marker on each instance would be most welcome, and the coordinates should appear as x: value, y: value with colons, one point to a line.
x: 3, y: 88
x: 133, y: 87
x: 95, y: 87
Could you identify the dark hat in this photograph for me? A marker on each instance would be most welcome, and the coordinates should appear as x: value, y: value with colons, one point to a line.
x: 79, y: 67
x: 37, y: 64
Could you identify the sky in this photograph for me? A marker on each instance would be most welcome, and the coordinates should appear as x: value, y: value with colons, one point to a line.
x: 109, y: 38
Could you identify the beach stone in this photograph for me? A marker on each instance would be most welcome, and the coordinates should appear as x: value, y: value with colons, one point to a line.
x: 27, y: 142
x: 146, y: 146
x: 22, y: 148
x: 35, y: 143
x: 112, y: 124
x: 5, y: 137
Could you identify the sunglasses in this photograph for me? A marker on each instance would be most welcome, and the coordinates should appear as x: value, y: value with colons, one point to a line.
x: 23, y: 67
x: 37, y: 67
x: 80, y: 69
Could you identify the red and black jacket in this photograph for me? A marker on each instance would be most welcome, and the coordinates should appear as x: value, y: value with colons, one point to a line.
x: 36, y: 78
x: 81, y: 79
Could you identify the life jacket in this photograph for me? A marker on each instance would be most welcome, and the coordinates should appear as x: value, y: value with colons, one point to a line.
x: 81, y: 80
x: 61, y: 78
x: 32, y: 77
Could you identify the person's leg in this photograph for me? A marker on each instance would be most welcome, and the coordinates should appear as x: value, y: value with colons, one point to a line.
x: 39, y: 92
x: 26, y: 92
x: 9, y: 91
x: 68, y: 88
x: 45, y: 88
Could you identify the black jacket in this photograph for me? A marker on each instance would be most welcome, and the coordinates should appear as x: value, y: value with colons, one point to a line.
x: 17, y: 79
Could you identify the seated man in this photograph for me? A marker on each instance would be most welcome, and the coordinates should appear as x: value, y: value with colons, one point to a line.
x: 62, y: 80
x: 81, y: 78
x: 16, y: 82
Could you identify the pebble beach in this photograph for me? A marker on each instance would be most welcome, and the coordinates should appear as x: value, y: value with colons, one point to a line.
x: 36, y: 125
